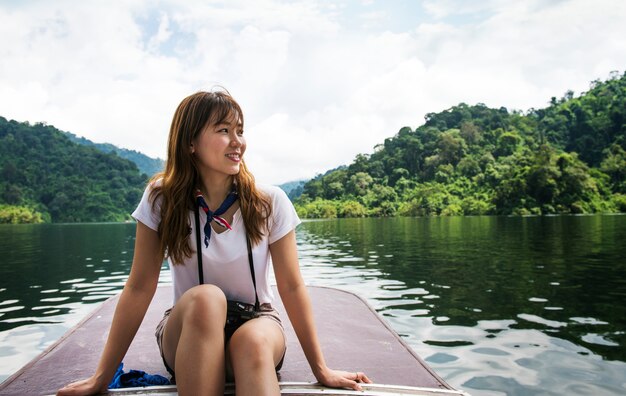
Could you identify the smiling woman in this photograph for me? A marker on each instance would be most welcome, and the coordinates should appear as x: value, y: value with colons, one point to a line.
x: 221, y: 324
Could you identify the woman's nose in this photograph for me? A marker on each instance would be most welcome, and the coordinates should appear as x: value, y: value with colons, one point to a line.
x: 236, y: 141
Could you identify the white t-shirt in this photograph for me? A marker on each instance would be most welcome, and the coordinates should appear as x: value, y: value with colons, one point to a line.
x: 225, y: 261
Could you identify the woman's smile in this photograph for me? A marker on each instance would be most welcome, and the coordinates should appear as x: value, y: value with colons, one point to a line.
x: 235, y: 157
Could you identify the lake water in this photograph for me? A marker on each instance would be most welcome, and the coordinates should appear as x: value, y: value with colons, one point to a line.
x: 495, y: 305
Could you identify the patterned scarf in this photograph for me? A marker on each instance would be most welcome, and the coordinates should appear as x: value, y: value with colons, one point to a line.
x: 215, y: 216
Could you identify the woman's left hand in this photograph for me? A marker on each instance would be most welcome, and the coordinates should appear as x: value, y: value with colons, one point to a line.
x: 343, y: 379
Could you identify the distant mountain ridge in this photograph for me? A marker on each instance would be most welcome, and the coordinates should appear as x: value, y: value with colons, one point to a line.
x: 293, y: 189
x: 147, y: 165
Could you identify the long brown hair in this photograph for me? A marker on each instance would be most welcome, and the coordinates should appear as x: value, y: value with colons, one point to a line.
x: 181, y: 178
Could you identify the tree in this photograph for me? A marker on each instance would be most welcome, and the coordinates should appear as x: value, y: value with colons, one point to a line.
x: 451, y: 147
x: 19, y: 215
x: 542, y: 179
x: 614, y: 165
x: 507, y: 143
x: 359, y: 184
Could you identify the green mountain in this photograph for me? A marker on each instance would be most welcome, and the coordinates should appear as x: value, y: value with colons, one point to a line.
x: 44, y: 176
x: 469, y: 160
x: 147, y: 165
x: 293, y: 189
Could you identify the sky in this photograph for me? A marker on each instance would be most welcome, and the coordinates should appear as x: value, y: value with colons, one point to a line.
x: 319, y: 81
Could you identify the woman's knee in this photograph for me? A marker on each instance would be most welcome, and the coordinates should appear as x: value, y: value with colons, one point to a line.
x: 204, y: 305
x: 254, y: 345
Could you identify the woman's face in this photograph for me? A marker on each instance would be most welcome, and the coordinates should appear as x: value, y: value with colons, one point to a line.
x: 219, y: 148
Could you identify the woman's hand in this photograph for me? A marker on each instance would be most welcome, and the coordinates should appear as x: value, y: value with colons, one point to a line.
x: 89, y: 386
x: 343, y: 379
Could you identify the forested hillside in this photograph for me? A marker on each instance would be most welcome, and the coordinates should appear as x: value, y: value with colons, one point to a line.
x: 44, y: 176
x: 147, y: 165
x: 469, y: 160
x: 569, y: 157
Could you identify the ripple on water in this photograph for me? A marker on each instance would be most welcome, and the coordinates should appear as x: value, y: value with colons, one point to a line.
x: 540, y: 320
x: 54, y: 299
x: 92, y: 298
x: 598, y: 339
x: 93, y: 289
x: 394, y: 286
x: 567, y: 374
x: 349, y: 259
x: 13, y: 308
x: 454, y: 343
x: 441, y: 358
x: 592, y: 321
x: 538, y: 299
x: 490, y: 351
x: 490, y: 325
x: 42, y: 307
x: 77, y: 280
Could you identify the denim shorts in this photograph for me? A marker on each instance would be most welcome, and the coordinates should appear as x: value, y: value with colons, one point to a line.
x: 266, y: 311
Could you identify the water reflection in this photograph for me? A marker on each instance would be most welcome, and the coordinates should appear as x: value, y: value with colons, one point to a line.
x: 495, y: 305
x: 51, y: 277
x: 57, y: 264
x: 484, y: 298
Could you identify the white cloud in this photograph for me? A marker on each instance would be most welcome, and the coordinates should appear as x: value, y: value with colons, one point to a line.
x: 440, y: 9
x: 315, y: 92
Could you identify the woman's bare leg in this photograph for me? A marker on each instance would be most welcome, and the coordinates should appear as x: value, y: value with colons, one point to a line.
x: 193, y: 341
x: 253, y: 353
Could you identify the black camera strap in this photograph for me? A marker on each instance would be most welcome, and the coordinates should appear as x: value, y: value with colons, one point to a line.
x: 199, y: 254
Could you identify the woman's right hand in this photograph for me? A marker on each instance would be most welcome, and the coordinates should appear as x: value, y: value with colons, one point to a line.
x: 88, y: 386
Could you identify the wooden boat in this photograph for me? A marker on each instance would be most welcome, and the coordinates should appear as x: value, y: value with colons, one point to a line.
x: 352, y: 334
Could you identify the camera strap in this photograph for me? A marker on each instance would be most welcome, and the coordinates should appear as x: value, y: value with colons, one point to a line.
x: 199, y: 254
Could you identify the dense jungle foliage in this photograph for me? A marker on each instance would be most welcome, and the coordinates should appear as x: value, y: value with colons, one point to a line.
x: 44, y: 177
x: 471, y: 160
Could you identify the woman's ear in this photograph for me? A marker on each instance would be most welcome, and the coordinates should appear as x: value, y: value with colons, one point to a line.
x: 192, y: 150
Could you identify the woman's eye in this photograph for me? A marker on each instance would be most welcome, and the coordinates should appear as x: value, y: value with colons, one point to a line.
x: 240, y: 133
x: 223, y: 130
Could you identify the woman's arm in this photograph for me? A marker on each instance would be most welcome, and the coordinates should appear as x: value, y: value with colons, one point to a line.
x: 296, y: 299
x: 129, y: 313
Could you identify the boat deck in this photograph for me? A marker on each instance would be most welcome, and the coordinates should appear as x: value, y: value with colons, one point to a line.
x: 353, y: 337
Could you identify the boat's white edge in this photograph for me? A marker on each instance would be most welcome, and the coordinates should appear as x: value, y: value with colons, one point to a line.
x: 307, y: 388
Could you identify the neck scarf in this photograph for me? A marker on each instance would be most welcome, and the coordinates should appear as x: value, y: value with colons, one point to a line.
x: 215, y: 216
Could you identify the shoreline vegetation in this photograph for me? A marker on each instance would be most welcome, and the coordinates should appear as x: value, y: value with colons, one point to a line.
x: 567, y: 158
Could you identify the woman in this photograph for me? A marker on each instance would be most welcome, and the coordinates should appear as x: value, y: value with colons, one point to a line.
x: 199, y: 342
